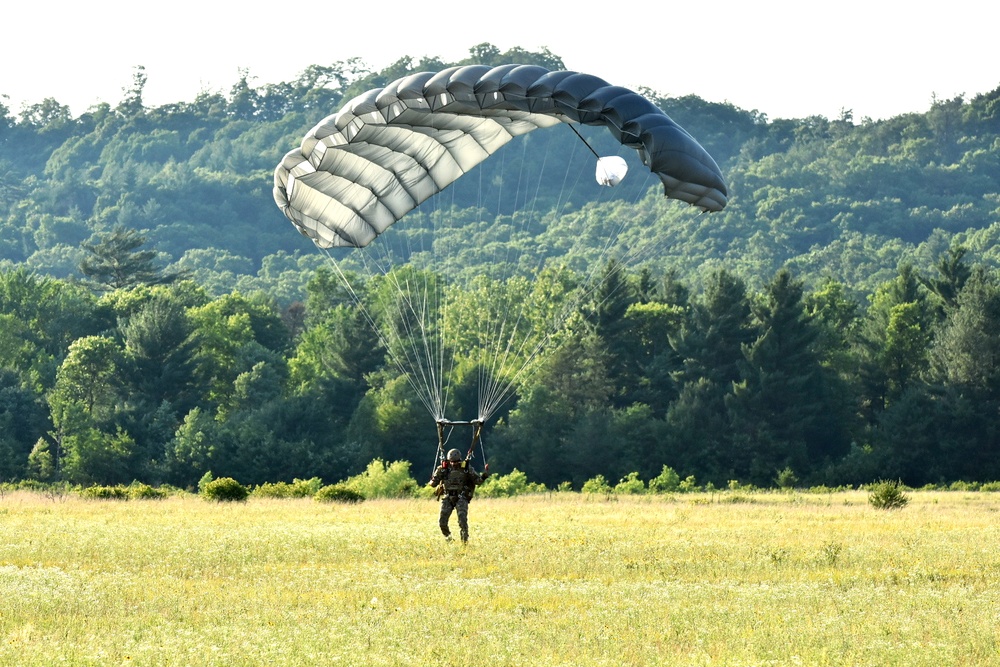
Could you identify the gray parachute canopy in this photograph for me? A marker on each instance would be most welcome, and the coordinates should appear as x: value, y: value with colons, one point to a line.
x: 386, y: 151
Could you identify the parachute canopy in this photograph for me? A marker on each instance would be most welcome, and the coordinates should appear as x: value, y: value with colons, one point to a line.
x: 386, y: 151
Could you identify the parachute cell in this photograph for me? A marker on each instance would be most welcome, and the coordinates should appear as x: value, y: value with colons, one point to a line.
x: 388, y: 150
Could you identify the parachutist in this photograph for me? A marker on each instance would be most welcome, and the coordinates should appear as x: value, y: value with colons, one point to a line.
x: 457, y: 480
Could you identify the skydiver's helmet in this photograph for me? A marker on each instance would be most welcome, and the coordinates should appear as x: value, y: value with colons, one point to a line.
x: 454, y: 455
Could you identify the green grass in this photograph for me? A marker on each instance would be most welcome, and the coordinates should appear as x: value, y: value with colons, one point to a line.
x: 734, y: 578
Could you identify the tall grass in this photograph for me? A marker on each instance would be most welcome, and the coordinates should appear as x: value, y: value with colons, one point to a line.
x: 557, y: 579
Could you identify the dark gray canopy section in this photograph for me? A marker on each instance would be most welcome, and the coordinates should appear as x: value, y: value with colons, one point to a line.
x: 386, y: 151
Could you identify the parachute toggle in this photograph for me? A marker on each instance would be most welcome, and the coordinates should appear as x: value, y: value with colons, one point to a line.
x: 611, y: 170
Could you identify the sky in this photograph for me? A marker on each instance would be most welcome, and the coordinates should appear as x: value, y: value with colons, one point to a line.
x: 782, y: 58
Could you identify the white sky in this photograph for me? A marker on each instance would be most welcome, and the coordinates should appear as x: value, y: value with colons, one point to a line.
x: 784, y: 58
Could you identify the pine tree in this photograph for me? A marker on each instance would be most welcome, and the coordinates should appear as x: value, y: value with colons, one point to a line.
x: 115, y: 261
x: 782, y: 405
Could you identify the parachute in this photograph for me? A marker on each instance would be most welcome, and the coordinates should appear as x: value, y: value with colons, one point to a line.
x: 362, y: 169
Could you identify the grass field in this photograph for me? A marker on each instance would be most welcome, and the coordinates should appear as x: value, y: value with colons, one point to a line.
x: 560, y: 579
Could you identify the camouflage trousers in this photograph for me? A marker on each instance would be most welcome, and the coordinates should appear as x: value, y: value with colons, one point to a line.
x: 455, y: 502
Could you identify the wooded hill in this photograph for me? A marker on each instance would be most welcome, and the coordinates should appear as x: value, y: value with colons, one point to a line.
x: 870, y: 245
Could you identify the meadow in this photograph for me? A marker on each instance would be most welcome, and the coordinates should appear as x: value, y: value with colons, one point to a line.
x: 758, y: 578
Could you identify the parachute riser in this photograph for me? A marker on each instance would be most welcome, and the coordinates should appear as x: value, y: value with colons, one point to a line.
x: 477, y: 432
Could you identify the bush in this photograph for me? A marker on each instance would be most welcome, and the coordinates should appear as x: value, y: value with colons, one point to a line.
x: 961, y: 485
x: 630, y: 485
x: 225, y: 489
x: 822, y: 488
x: 596, y: 484
x: 514, y: 484
x: 140, y: 491
x: 688, y: 485
x: 105, y: 492
x: 381, y: 480
x: 990, y: 486
x: 299, y: 488
x: 786, y: 479
x: 668, y: 481
x: 887, y: 495
x: 205, y: 480
x: 337, y: 493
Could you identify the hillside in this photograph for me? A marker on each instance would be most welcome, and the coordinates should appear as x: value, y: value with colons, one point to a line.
x: 833, y: 198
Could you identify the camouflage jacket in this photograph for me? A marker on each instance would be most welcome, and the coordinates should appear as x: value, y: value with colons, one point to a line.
x: 457, y: 478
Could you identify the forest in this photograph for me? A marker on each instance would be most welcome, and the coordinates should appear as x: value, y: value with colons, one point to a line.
x: 837, y: 323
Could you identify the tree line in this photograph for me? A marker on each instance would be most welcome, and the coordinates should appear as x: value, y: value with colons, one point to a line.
x: 142, y: 375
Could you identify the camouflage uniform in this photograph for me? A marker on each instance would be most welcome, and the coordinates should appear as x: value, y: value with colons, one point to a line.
x: 458, y: 481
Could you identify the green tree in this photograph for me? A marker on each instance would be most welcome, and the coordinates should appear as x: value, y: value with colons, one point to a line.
x: 953, y: 273
x: 115, y: 261
x: 699, y: 432
x: 650, y: 326
x: 967, y: 351
x: 195, y: 449
x: 84, y: 401
x: 606, y: 311
x: 710, y: 344
x: 234, y: 332
x: 23, y: 419
x: 39, y: 318
x: 783, y: 413
x: 560, y: 427
x: 391, y: 422
x: 712, y: 338
x: 893, y: 341
x: 160, y: 352
x: 89, y: 376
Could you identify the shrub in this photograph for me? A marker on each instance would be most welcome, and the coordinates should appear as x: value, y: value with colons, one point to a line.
x: 225, y: 489
x: 820, y: 488
x: 668, y: 481
x: 990, y: 486
x: 688, y: 485
x: 337, y: 493
x: 299, y: 488
x: 140, y: 491
x: 961, y: 485
x: 736, y: 485
x: 205, y: 480
x: 513, y: 484
x: 596, y: 484
x: 887, y: 495
x: 105, y: 492
x: 381, y: 480
x: 630, y: 485
x: 786, y: 479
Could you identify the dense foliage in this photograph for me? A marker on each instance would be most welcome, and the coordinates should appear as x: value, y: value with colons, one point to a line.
x: 837, y: 323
